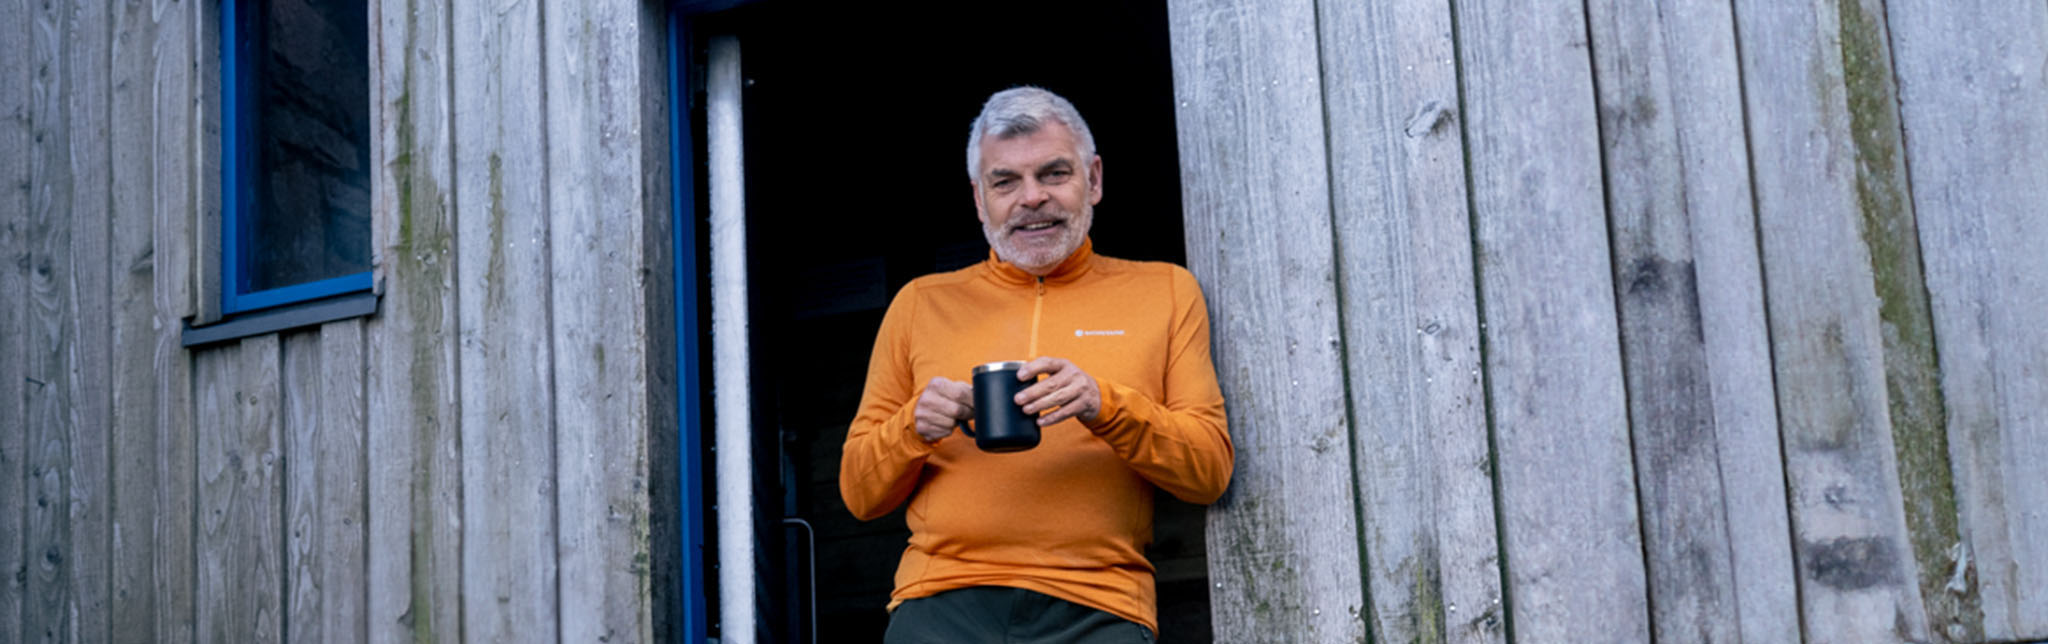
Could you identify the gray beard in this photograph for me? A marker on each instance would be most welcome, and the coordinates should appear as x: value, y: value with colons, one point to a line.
x: 1036, y: 260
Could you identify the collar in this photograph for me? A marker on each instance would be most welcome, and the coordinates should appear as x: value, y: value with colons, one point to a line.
x: 1068, y: 270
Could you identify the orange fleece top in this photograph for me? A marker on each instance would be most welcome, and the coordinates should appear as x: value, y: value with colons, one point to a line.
x: 1070, y: 518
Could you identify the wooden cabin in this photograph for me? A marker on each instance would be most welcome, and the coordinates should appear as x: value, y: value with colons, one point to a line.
x: 1597, y: 321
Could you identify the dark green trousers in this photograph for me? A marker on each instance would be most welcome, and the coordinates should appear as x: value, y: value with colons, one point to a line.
x: 997, y: 615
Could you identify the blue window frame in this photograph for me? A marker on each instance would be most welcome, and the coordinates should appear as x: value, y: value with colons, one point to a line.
x: 295, y: 218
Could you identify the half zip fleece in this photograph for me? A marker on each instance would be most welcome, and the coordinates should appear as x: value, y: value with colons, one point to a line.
x: 1070, y: 518
x: 1037, y: 312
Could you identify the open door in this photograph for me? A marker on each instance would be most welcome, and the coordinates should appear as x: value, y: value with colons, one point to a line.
x: 854, y: 121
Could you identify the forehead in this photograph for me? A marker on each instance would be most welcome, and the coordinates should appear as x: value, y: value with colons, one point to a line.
x: 1051, y: 142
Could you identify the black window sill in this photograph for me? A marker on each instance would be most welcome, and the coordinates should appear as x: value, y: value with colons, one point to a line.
x: 283, y: 318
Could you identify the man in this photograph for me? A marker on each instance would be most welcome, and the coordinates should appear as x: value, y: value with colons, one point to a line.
x: 1045, y: 544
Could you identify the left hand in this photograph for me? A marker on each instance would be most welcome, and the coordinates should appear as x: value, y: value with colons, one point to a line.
x: 1067, y: 390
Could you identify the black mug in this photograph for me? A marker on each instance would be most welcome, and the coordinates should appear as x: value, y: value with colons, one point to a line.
x: 1003, y: 426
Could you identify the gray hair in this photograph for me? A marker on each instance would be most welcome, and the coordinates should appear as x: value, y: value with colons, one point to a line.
x: 1021, y: 111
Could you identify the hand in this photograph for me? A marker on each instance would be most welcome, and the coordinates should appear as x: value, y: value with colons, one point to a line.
x: 1067, y: 390
x: 942, y: 406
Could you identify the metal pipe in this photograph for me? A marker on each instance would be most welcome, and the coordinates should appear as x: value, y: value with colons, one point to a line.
x: 729, y: 353
x: 811, y: 565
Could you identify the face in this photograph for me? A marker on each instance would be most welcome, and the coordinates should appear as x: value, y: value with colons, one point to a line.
x: 1036, y: 196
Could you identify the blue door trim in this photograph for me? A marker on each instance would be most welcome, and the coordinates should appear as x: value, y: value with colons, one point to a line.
x: 692, y: 620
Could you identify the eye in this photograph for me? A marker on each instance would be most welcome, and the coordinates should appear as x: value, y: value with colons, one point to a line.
x: 1056, y: 176
x: 1004, y: 184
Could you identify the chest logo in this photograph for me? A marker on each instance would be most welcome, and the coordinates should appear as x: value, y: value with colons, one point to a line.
x: 1082, y: 333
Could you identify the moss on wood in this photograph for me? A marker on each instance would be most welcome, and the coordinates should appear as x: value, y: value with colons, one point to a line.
x: 1912, y: 371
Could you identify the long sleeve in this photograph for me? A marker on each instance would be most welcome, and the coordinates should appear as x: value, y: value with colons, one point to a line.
x: 883, y: 454
x: 1182, y: 443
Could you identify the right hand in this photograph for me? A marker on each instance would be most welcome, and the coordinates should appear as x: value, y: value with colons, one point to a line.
x: 943, y: 405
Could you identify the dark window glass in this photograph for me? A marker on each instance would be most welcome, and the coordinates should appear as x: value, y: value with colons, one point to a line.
x: 311, y: 165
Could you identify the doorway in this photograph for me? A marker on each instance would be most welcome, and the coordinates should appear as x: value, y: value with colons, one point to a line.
x: 855, y: 123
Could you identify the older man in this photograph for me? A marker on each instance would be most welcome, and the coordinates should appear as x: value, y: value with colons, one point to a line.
x: 1046, y: 544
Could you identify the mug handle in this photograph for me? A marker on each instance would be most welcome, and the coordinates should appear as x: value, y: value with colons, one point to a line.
x: 963, y: 425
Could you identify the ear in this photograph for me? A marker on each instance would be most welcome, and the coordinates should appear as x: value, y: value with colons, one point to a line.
x: 980, y: 207
x: 1095, y: 180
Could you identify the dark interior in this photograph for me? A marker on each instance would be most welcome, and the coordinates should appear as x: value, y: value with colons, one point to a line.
x: 856, y: 118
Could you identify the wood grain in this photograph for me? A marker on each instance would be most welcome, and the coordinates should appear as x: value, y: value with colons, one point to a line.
x: 50, y: 399
x: 1971, y: 92
x: 509, y: 556
x: 324, y: 502
x: 214, y: 403
x: 207, y: 161
x: 1283, y: 541
x: 1682, y: 227
x: 414, y: 448
x: 241, y: 492
x: 131, y: 265
x: 1411, y: 327
x: 89, y: 314
x: 1856, y: 567
x: 17, y: 186
x: 303, y: 430
x: 1912, y: 375
x: 656, y: 290
x: 1553, y: 365
x: 343, y: 492
x: 600, y: 333
x: 175, y: 114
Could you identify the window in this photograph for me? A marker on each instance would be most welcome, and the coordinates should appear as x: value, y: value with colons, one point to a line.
x: 296, y: 167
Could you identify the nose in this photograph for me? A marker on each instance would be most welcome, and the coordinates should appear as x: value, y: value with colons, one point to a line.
x: 1033, y: 195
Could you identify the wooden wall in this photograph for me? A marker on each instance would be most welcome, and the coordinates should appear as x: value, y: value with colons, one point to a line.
x: 1619, y: 321
x: 475, y: 462
x: 1600, y: 321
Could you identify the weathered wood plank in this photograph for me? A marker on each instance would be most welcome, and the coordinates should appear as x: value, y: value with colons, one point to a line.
x: 414, y: 450
x: 1693, y: 331
x: 241, y: 492
x: 89, y: 313
x: 17, y: 144
x: 52, y: 586
x: 175, y: 132
x: 1971, y: 95
x: 1250, y: 132
x: 658, y: 295
x: 176, y: 569
x: 1566, y: 484
x: 594, y: 189
x: 134, y: 334
x: 508, y: 418
x: 203, y: 304
x: 343, y: 498
x: 215, y: 418
x: 1411, y: 327
x: 174, y: 114
x: 1856, y: 567
x: 324, y: 494
x: 1912, y: 376
x: 303, y: 430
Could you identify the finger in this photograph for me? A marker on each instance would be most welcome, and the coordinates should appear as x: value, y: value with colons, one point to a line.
x: 1036, y: 393
x: 932, y: 433
x: 960, y: 392
x: 939, y: 409
x: 1056, y: 394
x: 1047, y: 364
x: 1054, y: 380
x: 951, y: 390
x: 1058, y: 414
